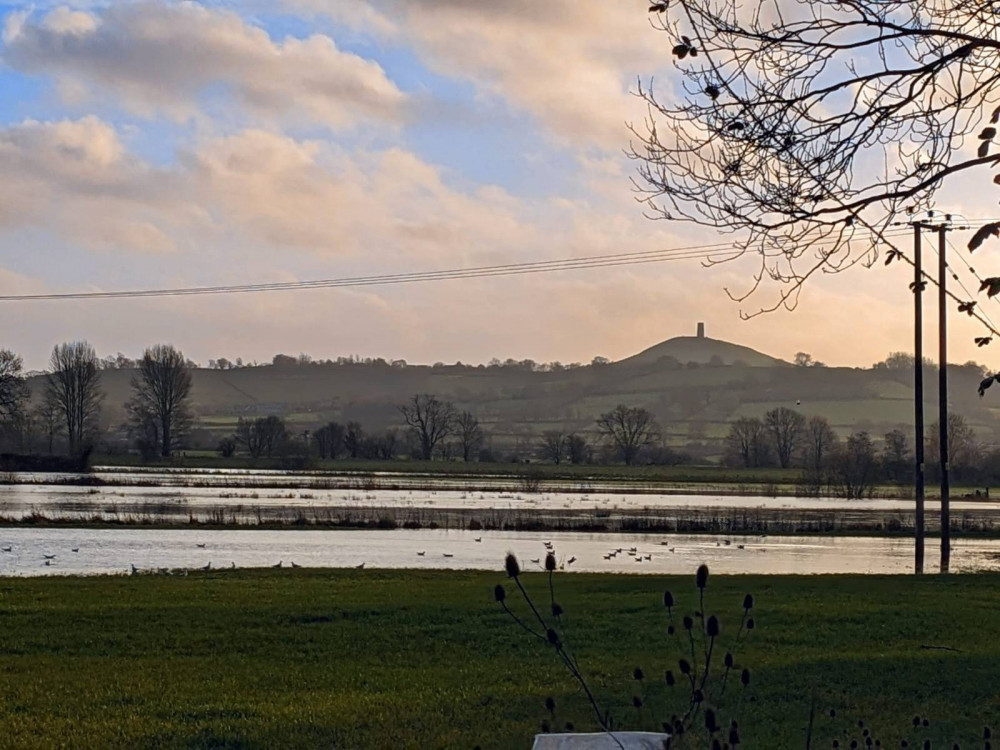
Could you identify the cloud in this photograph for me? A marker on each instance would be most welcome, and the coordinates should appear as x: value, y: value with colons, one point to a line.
x: 76, y: 178
x: 571, y: 63
x: 158, y: 58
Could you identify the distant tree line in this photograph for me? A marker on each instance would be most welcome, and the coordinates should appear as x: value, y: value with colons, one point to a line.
x: 787, y: 439
x: 71, y: 402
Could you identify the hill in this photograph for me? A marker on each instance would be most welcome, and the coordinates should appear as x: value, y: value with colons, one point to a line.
x: 695, y: 386
x: 704, y: 351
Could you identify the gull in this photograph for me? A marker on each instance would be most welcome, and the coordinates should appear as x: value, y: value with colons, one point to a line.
x: 359, y: 567
x: 422, y: 553
x: 278, y: 565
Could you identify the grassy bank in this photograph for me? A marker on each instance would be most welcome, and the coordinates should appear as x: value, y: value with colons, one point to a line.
x: 261, y: 659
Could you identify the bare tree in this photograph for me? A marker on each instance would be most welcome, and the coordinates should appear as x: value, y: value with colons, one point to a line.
x: 629, y: 429
x: 73, y: 387
x: 553, y: 445
x: 747, y: 442
x: 329, y: 440
x: 963, y: 448
x: 260, y: 436
x: 785, y: 427
x: 48, y: 418
x: 896, y: 456
x: 13, y: 389
x: 806, y: 127
x: 429, y: 420
x: 855, y: 466
x: 469, y: 433
x: 354, y: 439
x: 578, y: 449
x: 161, y: 392
x: 818, y: 442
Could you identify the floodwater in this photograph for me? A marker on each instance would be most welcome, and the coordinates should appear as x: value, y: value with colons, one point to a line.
x: 24, y: 551
x: 254, y: 496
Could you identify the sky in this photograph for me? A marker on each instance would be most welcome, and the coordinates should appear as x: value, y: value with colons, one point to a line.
x: 171, y: 144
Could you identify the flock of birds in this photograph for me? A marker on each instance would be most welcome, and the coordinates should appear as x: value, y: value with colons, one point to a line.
x: 633, y: 552
x: 46, y: 558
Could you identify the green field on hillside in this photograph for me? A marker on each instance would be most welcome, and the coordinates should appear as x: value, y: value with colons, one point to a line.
x: 275, y: 659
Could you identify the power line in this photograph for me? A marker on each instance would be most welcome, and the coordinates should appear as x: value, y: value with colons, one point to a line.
x: 693, y: 252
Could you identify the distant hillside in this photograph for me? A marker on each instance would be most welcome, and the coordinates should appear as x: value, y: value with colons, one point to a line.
x: 704, y: 351
x: 696, y: 387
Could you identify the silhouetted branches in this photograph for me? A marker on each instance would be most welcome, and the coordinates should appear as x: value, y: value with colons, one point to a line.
x: 804, y: 126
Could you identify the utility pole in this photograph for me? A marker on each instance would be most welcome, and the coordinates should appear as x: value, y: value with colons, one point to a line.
x: 943, y: 395
x: 918, y: 399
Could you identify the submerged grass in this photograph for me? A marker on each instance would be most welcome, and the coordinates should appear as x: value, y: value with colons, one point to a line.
x: 265, y: 659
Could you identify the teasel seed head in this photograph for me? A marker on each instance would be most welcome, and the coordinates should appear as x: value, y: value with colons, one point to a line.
x: 511, y: 565
x: 701, y: 577
x: 712, y: 627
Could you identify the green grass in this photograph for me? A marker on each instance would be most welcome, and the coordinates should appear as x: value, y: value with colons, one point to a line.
x: 273, y: 659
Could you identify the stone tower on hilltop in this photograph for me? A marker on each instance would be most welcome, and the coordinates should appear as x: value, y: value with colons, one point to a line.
x: 701, y: 330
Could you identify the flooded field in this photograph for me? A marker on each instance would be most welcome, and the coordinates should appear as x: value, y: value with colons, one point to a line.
x: 61, y: 551
x: 220, y: 497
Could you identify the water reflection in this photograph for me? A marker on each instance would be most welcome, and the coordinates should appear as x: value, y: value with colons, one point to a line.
x: 102, y: 551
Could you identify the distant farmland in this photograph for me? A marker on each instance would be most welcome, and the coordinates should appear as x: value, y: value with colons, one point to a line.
x: 695, y: 387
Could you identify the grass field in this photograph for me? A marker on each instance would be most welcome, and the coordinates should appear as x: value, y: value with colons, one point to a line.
x: 273, y: 659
